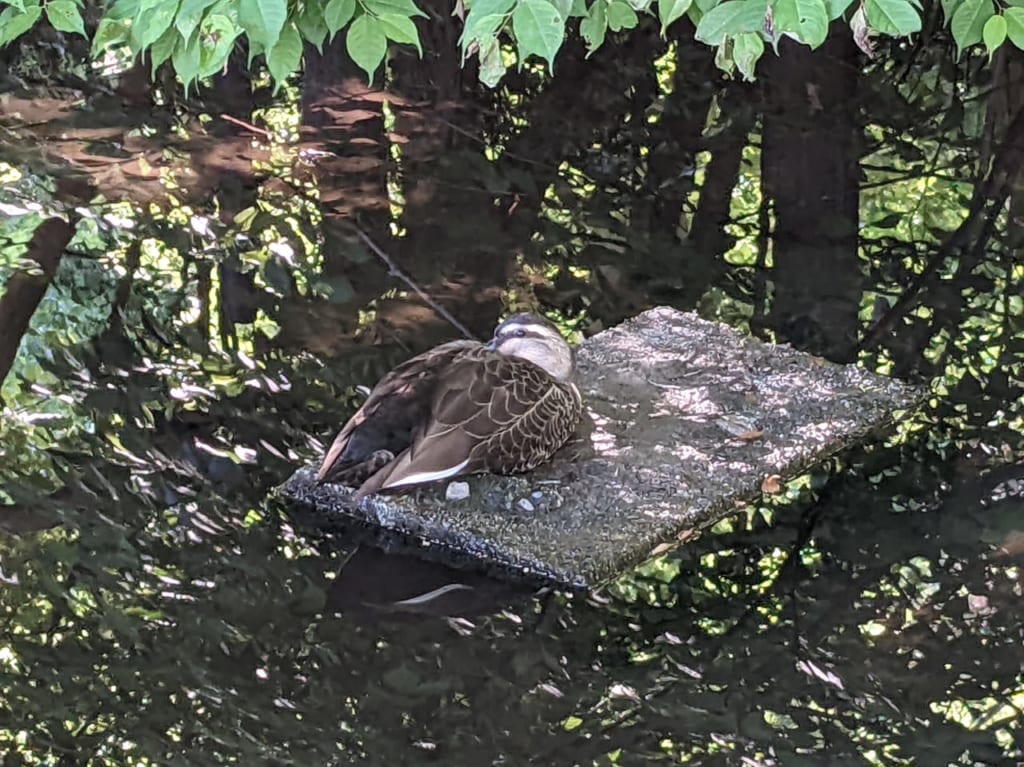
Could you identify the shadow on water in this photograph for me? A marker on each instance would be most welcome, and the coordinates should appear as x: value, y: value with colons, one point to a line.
x: 157, y: 608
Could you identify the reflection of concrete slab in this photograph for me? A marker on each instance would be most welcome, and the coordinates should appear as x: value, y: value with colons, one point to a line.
x: 686, y: 420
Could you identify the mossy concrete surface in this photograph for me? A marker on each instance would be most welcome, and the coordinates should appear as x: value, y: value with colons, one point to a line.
x: 684, y: 420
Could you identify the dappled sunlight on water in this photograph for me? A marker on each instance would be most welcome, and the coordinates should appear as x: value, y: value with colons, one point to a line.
x: 160, y: 606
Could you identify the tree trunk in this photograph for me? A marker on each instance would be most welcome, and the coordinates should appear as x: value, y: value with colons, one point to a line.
x: 810, y: 152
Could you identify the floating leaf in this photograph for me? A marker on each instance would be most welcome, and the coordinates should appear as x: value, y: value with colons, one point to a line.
x: 366, y: 44
x: 539, y: 29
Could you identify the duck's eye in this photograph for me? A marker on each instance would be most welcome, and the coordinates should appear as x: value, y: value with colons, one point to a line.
x: 520, y: 333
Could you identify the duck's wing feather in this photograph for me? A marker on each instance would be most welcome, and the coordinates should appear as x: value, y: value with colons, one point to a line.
x: 397, y: 406
x: 490, y: 413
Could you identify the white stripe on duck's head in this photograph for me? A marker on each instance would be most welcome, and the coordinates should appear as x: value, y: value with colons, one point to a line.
x: 537, y: 340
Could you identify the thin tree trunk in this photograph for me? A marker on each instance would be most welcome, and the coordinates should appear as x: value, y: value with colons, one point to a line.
x: 810, y: 153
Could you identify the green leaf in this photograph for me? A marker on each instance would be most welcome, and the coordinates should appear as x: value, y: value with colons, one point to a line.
x: 337, y: 14
x: 994, y: 34
x: 110, y: 32
x: 284, y: 57
x: 481, y: 28
x: 949, y: 8
x: 401, y: 7
x: 189, y: 15
x: 312, y: 25
x: 65, y: 16
x: 1015, y: 26
x: 185, y: 61
x: 670, y: 10
x: 621, y: 16
x: 564, y: 7
x: 595, y: 26
x: 579, y: 8
x: 893, y: 17
x: 150, y: 23
x: 837, y: 8
x: 969, y: 22
x: 733, y: 17
x: 162, y: 49
x: 14, y: 23
x: 400, y: 29
x: 366, y: 44
x: 492, y: 66
x: 539, y: 29
x: 747, y: 49
x: 217, y: 36
x: 807, y: 20
x: 263, y: 20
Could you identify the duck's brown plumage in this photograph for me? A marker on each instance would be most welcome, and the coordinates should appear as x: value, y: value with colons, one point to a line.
x: 460, y: 408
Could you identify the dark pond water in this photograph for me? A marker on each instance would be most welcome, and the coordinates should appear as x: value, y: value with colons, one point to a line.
x: 210, y: 320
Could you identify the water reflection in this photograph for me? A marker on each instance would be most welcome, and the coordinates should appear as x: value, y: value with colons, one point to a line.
x: 158, y: 608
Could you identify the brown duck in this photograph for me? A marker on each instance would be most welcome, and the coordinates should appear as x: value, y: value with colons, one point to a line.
x: 462, y: 408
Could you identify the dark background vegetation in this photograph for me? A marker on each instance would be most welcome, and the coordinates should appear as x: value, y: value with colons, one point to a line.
x: 199, y: 310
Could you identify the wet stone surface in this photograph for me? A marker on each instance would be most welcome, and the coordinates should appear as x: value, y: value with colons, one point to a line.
x: 684, y: 419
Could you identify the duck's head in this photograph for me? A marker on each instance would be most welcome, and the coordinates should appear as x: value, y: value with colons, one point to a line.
x: 535, y: 339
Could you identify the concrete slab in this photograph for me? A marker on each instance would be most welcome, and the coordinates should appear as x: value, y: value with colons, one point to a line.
x: 685, y: 419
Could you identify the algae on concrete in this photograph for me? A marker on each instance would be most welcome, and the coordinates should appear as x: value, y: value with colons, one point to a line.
x: 684, y: 419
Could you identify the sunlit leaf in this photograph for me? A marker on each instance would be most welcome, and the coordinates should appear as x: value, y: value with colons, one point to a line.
x: 892, y: 17
x: 401, y: 7
x: 837, y: 8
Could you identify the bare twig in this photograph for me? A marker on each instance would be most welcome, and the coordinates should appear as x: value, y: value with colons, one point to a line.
x: 243, y: 124
x: 396, y: 272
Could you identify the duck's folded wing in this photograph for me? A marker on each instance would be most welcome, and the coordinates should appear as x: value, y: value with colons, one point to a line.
x: 476, y: 423
x: 400, y: 401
